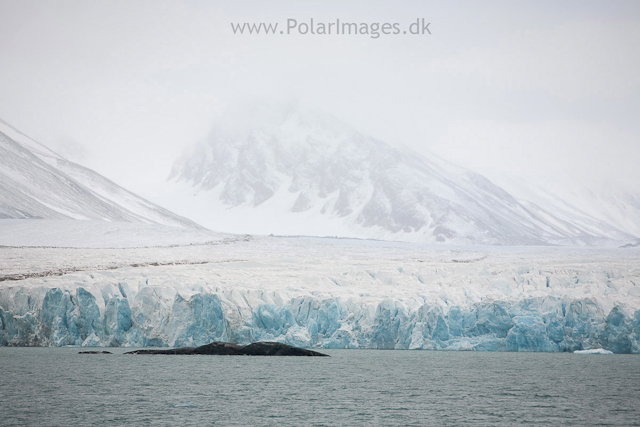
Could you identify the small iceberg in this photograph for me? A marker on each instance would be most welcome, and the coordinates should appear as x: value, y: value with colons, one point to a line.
x: 593, y: 351
x: 188, y: 405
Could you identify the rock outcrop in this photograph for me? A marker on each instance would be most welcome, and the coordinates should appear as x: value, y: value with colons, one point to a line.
x: 219, y: 348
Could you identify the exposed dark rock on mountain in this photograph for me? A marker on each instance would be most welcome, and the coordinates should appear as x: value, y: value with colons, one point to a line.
x: 312, y: 174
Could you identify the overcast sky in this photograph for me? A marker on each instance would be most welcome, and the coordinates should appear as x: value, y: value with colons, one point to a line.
x: 535, y: 88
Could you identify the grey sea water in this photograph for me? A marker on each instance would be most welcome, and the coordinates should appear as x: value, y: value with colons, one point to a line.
x: 58, y: 387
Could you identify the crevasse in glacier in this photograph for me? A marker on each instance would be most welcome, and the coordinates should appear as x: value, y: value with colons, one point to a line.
x: 117, y: 317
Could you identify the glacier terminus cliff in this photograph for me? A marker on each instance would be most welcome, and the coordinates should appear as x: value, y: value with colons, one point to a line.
x: 325, y: 293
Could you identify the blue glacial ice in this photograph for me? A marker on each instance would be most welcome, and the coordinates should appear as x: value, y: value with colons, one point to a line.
x: 114, y: 316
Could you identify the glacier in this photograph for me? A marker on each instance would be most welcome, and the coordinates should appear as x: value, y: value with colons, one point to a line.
x: 329, y: 293
x: 78, y: 318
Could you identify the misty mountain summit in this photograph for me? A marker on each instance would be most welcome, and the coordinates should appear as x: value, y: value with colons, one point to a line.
x: 292, y: 171
x: 313, y: 174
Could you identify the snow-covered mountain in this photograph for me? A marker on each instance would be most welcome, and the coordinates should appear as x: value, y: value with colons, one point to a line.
x: 597, y: 206
x: 35, y: 182
x: 305, y: 172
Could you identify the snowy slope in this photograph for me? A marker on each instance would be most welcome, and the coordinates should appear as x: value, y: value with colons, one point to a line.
x: 307, y: 173
x: 332, y: 293
x: 37, y: 183
x: 62, y: 233
x: 598, y: 207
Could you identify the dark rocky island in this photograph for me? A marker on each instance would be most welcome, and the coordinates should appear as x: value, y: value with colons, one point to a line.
x: 218, y: 348
x: 94, y: 352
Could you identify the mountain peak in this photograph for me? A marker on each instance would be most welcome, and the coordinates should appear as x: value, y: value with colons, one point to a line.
x: 313, y: 174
